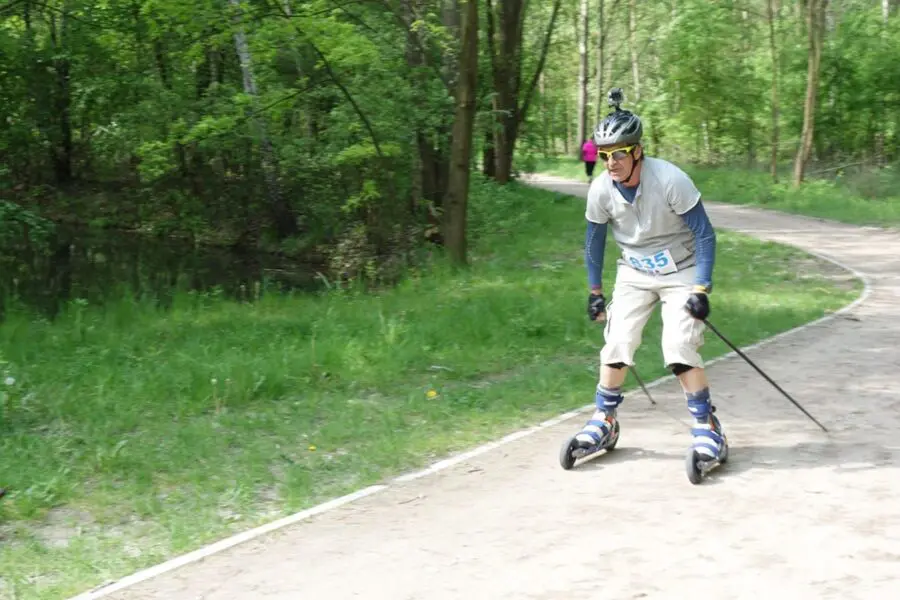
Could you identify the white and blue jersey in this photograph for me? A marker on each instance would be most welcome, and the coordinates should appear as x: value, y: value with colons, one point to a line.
x: 660, y: 226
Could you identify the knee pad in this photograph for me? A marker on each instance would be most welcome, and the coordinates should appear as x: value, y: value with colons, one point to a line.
x: 679, y: 368
x: 618, y: 365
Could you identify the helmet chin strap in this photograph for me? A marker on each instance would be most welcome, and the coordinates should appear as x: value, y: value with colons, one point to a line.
x: 633, y: 166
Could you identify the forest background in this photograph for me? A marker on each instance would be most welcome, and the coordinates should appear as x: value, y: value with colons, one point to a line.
x: 296, y: 184
x: 323, y: 131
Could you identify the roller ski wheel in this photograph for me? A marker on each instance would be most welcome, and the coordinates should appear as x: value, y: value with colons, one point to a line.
x: 573, y: 450
x: 699, y: 466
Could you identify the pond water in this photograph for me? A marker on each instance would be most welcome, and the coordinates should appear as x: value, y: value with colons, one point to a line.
x: 101, y: 265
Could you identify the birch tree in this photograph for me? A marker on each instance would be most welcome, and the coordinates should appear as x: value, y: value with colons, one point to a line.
x: 282, y: 217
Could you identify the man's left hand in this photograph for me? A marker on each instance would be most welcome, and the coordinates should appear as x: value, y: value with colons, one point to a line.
x: 698, y: 304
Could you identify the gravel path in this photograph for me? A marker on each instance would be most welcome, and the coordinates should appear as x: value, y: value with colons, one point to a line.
x: 795, y: 513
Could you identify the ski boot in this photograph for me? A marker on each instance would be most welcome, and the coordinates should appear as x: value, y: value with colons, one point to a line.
x: 710, y: 445
x: 601, y: 432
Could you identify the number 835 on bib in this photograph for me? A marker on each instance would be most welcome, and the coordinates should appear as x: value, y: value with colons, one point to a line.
x: 660, y: 263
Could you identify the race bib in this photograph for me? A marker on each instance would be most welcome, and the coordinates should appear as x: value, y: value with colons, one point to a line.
x: 660, y: 263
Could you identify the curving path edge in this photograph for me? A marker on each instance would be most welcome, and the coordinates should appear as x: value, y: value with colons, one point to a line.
x: 796, y: 513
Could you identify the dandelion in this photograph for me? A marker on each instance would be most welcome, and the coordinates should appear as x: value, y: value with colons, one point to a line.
x: 10, y: 381
x: 431, y: 394
x: 312, y: 448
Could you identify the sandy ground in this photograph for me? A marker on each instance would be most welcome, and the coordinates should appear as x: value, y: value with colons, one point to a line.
x: 794, y: 514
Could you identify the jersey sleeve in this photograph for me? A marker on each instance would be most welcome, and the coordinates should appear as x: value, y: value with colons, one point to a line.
x: 681, y: 192
x: 596, y: 211
x: 705, y: 237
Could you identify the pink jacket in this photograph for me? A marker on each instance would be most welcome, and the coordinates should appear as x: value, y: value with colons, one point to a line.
x: 589, y: 151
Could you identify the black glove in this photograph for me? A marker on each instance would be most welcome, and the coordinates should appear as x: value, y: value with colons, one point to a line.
x: 596, y: 305
x: 698, y: 305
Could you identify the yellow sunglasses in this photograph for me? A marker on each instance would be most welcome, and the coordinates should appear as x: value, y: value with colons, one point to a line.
x: 616, y: 153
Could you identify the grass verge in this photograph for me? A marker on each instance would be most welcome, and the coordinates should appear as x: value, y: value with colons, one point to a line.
x: 130, y: 435
x: 869, y: 198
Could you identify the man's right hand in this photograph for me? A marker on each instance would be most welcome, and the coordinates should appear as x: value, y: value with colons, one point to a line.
x: 596, y: 306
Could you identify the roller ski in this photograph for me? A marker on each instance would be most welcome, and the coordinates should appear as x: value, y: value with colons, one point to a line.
x: 709, y: 448
x: 600, y: 433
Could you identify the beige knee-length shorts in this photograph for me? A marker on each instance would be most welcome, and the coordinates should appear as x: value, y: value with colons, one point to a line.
x: 634, y: 297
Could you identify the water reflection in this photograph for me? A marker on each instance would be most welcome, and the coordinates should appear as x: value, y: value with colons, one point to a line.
x: 101, y: 265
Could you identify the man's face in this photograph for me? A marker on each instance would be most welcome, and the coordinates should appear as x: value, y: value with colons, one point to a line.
x: 619, y: 160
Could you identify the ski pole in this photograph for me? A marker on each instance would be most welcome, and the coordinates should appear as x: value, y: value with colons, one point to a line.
x: 760, y: 371
x: 643, y: 387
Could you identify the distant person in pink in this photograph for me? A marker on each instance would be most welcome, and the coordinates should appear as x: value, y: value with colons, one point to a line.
x: 589, y: 156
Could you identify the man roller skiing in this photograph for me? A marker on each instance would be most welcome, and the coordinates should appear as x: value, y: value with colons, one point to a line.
x: 668, y: 251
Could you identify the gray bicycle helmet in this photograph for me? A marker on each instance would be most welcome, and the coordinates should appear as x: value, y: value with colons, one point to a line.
x: 620, y: 127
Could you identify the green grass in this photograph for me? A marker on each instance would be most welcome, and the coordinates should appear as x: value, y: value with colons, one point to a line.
x: 131, y: 435
x: 862, y: 198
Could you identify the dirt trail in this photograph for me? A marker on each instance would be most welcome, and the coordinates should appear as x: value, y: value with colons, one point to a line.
x: 796, y: 514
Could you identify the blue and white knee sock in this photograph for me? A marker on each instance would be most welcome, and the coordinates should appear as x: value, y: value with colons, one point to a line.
x: 706, y: 440
x: 597, y: 429
x: 608, y: 399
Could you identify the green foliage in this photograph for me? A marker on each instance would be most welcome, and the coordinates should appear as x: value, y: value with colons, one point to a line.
x: 153, y: 100
x: 133, y: 434
x: 140, y: 116
x: 18, y: 225
x: 19, y: 228
x: 706, y: 75
x: 859, y: 93
x: 712, y: 88
x: 859, y: 196
x: 864, y: 198
x: 157, y: 108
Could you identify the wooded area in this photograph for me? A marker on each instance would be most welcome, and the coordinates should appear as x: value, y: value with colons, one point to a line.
x: 169, y: 168
x: 341, y: 132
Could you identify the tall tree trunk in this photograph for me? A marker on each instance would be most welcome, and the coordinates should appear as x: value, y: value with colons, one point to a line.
x: 486, y: 85
x: 676, y: 93
x: 815, y: 23
x: 506, y: 62
x: 879, y: 134
x: 747, y: 37
x: 546, y: 120
x: 424, y: 183
x: 451, y: 18
x: 62, y: 148
x: 776, y: 74
x: 584, y: 31
x: 461, y: 150
x: 310, y: 116
x: 162, y: 68
x: 601, y: 62
x: 30, y: 111
x: 610, y: 75
x: 282, y: 215
x: 632, y: 42
x: 489, y: 155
